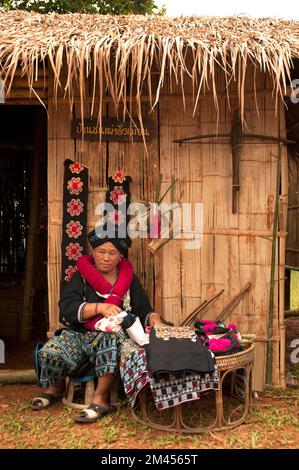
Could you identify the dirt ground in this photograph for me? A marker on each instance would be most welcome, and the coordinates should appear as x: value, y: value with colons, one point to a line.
x: 272, y: 424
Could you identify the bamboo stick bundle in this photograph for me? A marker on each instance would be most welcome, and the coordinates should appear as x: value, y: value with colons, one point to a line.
x: 202, y: 306
x: 232, y: 304
x: 190, y: 317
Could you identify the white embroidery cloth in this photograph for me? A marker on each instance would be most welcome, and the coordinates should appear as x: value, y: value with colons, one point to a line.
x: 111, y: 324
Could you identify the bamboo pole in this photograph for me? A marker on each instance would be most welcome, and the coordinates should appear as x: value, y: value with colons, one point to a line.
x: 282, y: 259
x: 9, y: 376
x: 27, y: 94
x: 26, y: 320
x: 222, y: 316
x: 151, y: 268
x: 194, y: 313
x: 173, y: 96
x: 269, y: 366
x: 202, y: 306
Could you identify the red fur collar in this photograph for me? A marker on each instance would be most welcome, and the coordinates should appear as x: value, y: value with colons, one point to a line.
x: 86, y: 268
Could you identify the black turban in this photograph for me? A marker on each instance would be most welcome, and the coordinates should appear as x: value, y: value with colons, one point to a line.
x: 121, y: 244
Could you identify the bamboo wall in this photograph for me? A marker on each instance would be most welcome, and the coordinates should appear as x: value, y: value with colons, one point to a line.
x: 230, y: 256
x: 101, y: 161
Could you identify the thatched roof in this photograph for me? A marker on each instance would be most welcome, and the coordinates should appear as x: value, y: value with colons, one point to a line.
x: 141, y: 42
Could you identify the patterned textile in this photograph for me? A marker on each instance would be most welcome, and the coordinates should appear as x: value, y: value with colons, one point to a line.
x: 176, y: 350
x: 167, y: 332
x: 133, y: 369
x: 167, y: 391
x: 222, y: 340
x: 75, y: 194
x: 61, y: 354
x: 175, y: 390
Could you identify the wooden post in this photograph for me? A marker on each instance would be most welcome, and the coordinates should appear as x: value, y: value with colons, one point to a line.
x: 282, y: 262
x: 11, y: 376
x: 26, y: 320
x: 272, y: 280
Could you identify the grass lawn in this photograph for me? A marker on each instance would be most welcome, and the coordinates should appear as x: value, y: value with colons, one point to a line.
x: 294, y: 289
x: 273, y: 423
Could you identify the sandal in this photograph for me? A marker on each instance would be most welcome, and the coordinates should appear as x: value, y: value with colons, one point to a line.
x: 43, y: 400
x: 93, y: 413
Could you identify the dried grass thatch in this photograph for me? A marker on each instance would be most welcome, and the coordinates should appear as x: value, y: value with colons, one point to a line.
x: 110, y: 49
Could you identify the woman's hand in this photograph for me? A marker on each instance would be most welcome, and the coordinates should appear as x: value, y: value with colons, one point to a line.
x: 108, y: 310
x: 154, y: 319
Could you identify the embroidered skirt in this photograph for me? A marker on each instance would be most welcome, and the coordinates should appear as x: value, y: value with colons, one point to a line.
x: 60, y: 356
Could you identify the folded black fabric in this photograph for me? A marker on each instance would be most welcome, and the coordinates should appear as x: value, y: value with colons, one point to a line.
x: 170, y: 351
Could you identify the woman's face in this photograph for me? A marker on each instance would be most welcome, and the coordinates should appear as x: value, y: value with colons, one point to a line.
x: 106, y: 257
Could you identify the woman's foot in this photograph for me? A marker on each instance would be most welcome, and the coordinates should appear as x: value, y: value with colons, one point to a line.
x: 43, y: 400
x: 93, y: 413
x: 101, y: 399
x: 48, y: 396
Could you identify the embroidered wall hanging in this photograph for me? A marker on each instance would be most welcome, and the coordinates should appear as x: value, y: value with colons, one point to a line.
x: 118, y: 194
x: 115, y: 218
x: 75, y: 196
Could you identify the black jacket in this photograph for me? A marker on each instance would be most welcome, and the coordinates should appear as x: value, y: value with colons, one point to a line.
x: 78, y: 291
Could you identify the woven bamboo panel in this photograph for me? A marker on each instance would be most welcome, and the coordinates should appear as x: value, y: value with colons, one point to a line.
x: 227, y: 259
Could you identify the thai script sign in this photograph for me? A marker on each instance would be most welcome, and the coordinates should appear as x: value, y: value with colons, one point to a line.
x: 112, y: 129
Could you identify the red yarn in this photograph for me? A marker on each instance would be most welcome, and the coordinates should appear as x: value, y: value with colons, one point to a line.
x: 232, y: 326
x: 209, y: 327
x: 86, y: 267
x: 220, y: 344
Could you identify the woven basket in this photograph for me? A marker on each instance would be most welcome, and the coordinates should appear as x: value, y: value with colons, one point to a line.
x: 234, y: 361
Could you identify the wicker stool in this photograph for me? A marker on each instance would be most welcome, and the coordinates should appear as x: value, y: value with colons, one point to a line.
x: 226, y: 365
x: 88, y: 381
x: 70, y: 397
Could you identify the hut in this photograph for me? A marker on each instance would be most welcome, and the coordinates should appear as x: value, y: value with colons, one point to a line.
x: 207, y: 96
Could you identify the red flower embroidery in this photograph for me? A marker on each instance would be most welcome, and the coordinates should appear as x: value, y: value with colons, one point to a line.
x: 74, y: 229
x: 76, y: 168
x: 116, y: 217
x: 69, y: 273
x: 118, y: 177
x: 117, y: 195
x: 73, y: 251
x: 75, y: 186
x: 75, y: 207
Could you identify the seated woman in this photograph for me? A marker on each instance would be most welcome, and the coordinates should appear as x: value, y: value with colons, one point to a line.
x: 103, y: 286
